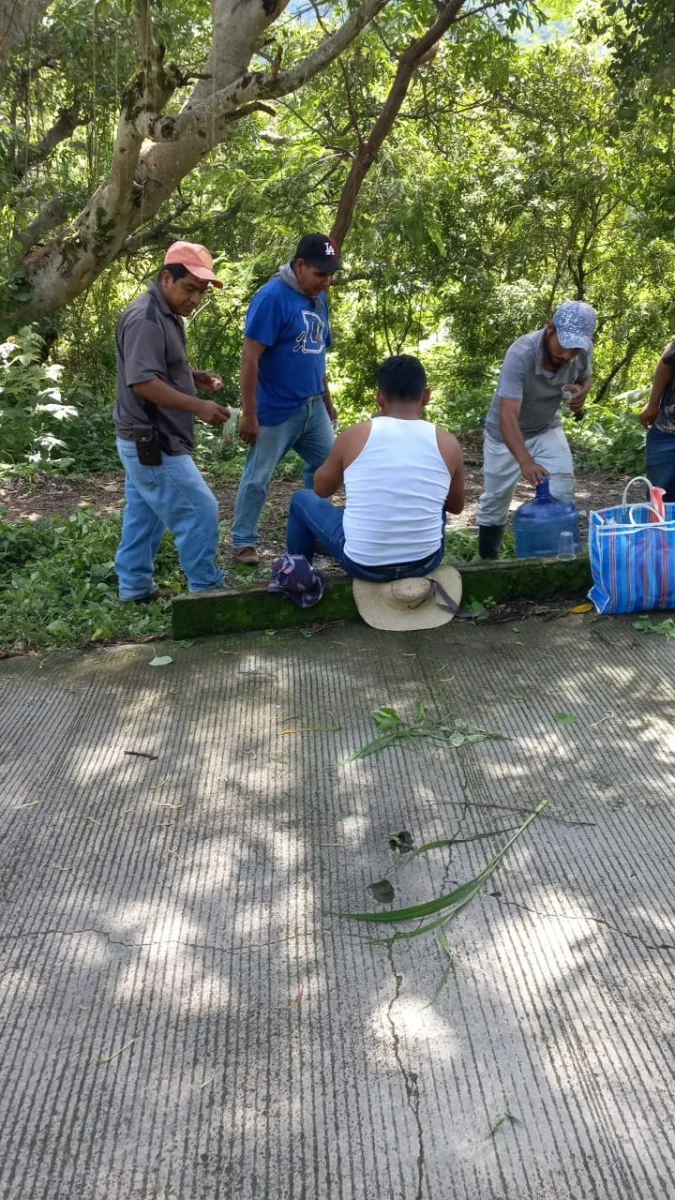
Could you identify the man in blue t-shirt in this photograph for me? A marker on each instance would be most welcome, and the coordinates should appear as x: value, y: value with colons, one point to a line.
x: 286, y: 404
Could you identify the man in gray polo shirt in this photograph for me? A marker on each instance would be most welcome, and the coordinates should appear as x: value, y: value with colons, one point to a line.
x: 154, y: 420
x: 523, y: 432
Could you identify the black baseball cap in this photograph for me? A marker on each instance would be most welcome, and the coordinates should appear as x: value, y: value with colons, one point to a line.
x: 319, y: 251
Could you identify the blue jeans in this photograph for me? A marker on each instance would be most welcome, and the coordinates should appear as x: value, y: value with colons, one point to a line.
x: 308, y: 431
x: 661, y: 461
x: 312, y: 519
x: 174, y: 496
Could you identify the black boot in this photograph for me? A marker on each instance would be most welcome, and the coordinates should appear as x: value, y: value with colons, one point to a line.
x: 489, y: 540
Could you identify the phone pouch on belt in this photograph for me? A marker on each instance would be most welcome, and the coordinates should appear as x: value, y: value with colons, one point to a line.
x: 148, y: 448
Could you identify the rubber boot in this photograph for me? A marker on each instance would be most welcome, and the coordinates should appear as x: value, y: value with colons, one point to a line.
x: 490, y: 540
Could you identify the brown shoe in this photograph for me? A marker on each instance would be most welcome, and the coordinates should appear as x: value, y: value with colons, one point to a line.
x: 246, y: 556
x: 157, y: 594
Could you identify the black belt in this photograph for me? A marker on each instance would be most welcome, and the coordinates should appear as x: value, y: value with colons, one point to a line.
x: 408, y: 566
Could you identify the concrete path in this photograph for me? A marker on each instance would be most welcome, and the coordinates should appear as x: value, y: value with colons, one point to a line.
x: 180, y: 1016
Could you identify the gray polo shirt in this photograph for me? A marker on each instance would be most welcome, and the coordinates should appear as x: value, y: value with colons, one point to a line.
x: 523, y: 377
x: 151, y: 344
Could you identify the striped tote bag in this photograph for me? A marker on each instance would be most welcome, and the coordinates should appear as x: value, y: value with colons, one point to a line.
x: 632, y: 553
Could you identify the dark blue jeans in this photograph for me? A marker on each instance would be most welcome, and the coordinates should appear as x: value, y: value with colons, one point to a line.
x: 312, y: 519
x: 661, y: 461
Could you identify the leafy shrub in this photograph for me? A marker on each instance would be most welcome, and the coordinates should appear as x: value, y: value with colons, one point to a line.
x: 31, y: 406
x: 611, y: 437
x: 90, y: 436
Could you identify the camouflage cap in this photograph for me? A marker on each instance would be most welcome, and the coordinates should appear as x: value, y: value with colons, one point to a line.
x: 575, y: 322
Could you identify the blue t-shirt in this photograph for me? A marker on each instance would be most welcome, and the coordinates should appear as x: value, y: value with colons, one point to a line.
x: 296, y: 331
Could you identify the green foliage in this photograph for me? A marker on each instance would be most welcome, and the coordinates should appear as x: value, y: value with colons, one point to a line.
x: 449, y: 905
x: 58, y: 587
x: 461, y: 546
x: 31, y: 405
x: 512, y: 180
x: 641, y: 35
x: 665, y: 628
x: 611, y: 437
x: 451, y: 731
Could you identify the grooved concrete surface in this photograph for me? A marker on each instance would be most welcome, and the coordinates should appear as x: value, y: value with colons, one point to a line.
x: 175, y: 910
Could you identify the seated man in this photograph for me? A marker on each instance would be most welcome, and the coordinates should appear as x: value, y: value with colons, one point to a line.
x: 401, y: 475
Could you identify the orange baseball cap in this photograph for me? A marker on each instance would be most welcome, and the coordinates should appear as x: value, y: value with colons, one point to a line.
x: 195, y: 258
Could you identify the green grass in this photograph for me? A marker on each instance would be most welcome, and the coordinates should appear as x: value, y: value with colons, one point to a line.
x: 58, y: 585
x: 461, y: 546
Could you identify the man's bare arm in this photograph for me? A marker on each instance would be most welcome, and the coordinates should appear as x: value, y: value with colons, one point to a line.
x: 662, y: 377
x: 330, y: 477
x: 511, y: 432
x: 248, y: 386
x: 164, y: 396
x: 451, y: 452
x: 330, y: 407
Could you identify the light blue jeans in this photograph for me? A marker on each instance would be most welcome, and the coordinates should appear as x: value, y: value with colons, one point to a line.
x: 308, y: 431
x: 174, y: 496
x: 501, y: 472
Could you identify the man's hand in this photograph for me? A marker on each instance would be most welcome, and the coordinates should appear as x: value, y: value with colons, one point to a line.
x: 207, y: 382
x: 532, y: 472
x: 574, y: 397
x: 648, y: 415
x: 331, y: 409
x: 212, y: 413
x: 249, y: 428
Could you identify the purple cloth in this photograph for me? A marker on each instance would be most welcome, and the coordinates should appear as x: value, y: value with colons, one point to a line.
x: 293, y: 576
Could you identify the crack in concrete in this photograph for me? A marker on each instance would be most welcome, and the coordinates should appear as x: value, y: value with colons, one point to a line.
x: 634, y: 937
x: 14, y: 937
x: 410, y: 1077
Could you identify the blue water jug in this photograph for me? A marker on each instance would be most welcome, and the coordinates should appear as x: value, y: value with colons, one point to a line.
x: 538, y: 524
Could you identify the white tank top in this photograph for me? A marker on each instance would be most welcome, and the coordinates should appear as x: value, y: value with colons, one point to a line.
x: 395, y: 489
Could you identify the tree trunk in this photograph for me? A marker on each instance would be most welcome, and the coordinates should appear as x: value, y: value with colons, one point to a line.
x: 140, y: 180
x: 17, y: 19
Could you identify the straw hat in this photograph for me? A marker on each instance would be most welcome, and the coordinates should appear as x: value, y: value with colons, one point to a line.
x: 422, y: 603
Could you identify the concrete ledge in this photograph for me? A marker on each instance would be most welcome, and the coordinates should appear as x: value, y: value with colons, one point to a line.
x: 230, y: 611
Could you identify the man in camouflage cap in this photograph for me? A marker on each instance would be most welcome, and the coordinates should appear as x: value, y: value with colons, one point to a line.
x: 523, y: 432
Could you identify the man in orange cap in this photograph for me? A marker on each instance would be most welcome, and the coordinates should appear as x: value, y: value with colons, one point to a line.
x: 155, y: 414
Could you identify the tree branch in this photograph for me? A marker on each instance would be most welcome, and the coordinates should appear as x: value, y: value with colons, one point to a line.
x: 475, y: 12
x: 144, y: 29
x: 61, y: 130
x: 368, y: 150
x: 49, y: 217
x: 345, y: 79
x: 161, y: 231
x: 616, y: 369
x: 144, y: 97
x: 199, y: 118
x: 142, y: 179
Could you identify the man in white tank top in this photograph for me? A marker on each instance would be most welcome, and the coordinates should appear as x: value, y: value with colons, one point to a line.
x: 401, y: 476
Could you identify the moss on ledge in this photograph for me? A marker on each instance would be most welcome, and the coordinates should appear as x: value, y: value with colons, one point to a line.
x: 241, y: 611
